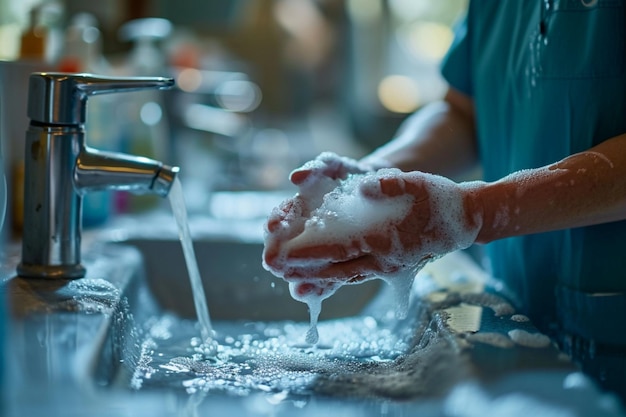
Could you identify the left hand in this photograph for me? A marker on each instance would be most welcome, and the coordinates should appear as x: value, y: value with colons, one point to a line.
x: 333, y: 166
x: 423, y: 217
x: 314, y: 179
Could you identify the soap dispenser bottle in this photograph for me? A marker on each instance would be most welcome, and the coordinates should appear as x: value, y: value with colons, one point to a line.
x: 33, y: 41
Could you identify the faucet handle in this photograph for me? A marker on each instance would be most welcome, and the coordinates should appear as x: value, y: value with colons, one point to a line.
x: 61, y: 98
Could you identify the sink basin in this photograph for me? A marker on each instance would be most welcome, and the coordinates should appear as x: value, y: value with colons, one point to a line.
x: 235, y: 283
x: 365, y: 349
x: 125, y: 339
x: 249, y: 307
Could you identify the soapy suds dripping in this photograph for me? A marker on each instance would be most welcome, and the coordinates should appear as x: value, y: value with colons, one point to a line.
x: 341, y: 211
x: 338, y: 211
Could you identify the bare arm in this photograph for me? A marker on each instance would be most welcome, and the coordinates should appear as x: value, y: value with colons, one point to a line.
x: 581, y: 190
x: 438, y: 139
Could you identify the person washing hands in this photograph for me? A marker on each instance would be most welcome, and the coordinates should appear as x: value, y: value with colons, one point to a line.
x: 537, y: 95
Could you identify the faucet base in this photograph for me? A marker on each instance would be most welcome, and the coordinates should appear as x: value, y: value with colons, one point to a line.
x: 51, y: 271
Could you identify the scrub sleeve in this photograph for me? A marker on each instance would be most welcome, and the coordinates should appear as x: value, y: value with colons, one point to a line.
x: 548, y: 79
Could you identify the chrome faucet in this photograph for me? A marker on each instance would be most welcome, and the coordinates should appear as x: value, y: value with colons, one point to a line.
x: 59, y: 169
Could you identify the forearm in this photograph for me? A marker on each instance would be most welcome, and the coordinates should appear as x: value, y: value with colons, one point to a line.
x: 439, y: 139
x: 581, y: 190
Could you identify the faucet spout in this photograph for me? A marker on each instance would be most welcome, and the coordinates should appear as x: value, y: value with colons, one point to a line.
x: 59, y: 171
x: 99, y: 170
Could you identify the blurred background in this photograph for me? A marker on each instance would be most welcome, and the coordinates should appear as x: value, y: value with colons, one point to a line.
x: 262, y: 85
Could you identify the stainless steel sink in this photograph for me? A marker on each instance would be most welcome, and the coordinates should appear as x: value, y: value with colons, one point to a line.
x: 236, y: 285
x: 78, y: 344
x: 436, y: 347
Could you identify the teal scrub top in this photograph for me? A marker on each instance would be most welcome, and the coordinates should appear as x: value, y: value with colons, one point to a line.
x: 548, y: 79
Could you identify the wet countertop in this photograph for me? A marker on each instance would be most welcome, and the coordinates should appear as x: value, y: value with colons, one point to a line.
x: 496, y: 363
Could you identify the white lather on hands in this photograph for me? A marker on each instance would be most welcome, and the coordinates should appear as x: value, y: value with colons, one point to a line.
x: 347, y: 226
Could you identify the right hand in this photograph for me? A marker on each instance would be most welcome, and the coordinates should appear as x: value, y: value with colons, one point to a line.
x: 438, y: 218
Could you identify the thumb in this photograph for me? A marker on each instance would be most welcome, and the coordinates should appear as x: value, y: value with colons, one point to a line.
x: 388, y: 183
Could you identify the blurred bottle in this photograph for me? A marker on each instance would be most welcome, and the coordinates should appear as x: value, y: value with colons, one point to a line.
x: 82, y: 46
x: 33, y: 41
x: 145, y: 128
x: 42, y: 39
x: 82, y: 52
x: 32, y: 57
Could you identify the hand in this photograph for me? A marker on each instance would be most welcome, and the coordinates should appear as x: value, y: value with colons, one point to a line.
x: 314, y: 179
x: 333, y: 166
x: 378, y: 224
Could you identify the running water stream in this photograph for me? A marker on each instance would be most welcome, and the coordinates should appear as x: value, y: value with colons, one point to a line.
x: 177, y: 201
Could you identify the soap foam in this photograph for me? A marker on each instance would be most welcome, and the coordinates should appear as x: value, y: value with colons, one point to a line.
x: 520, y: 318
x: 346, y: 215
x: 330, y: 211
x: 325, y: 211
x: 527, y: 339
x: 313, y: 292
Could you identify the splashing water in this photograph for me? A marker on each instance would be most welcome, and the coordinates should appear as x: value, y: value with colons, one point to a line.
x: 177, y: 202
x: 265, y: 357
x: 382, y: 354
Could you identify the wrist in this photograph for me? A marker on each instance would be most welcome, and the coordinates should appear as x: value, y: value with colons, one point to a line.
x: 474, y: 208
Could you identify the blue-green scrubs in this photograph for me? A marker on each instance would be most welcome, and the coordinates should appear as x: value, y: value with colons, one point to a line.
x: 548, y: 79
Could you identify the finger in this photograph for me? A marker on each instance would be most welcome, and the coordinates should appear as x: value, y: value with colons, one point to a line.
x: 381, y: 187
x: 314, y: 254
x: 314, y: 167
x: 270, y: 258
x: 327, y: 164
x: 415, y: 184
x: 380, y: 243
x: 386, y: 186
x: 319, y: 288
x: 289, y: 214
x: 393, y: 186
x: 278, y: 216
x: 322, y: 253
x: 300, y: 175
x: 357, y: 269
